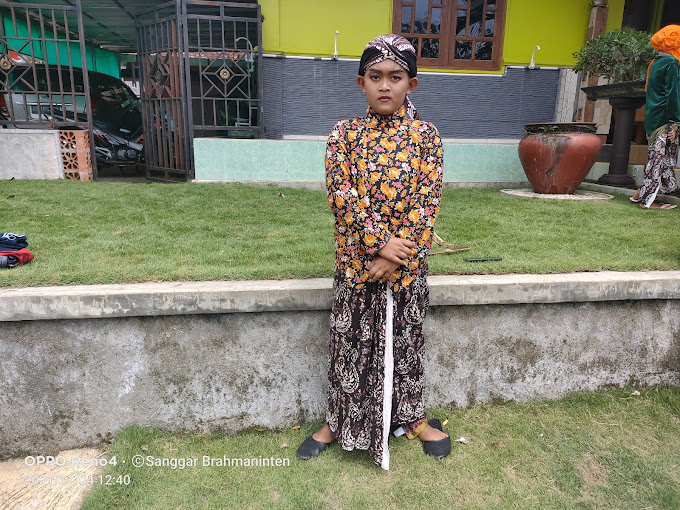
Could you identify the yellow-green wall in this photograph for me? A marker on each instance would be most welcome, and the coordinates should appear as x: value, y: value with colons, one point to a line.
x: 559, y: 27
x: 615, y: 16
x: 307, y: 27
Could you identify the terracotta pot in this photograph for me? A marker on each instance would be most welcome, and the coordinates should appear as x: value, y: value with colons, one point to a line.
x: 557, y: 156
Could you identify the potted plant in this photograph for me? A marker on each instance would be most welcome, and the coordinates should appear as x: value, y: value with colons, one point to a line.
x: 622, y: 57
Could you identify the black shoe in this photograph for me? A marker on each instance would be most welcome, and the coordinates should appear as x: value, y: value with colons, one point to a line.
x: 438, y: 449
x: 311, y: 448
x: 435, y: 423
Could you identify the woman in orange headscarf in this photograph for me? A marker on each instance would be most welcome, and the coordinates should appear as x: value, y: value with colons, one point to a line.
x: 662, y: 119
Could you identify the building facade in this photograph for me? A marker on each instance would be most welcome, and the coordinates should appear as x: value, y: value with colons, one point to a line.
x: 486, y: 67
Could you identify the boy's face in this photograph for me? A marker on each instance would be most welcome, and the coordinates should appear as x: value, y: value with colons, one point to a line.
x: 386, y: 85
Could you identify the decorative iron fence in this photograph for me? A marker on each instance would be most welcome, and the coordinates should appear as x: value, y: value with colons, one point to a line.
x: 199, y: 67
x: 43, y: 77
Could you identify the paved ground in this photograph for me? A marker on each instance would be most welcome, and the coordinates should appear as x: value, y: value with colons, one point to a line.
x: 129, y: 174
x: 51, y: 487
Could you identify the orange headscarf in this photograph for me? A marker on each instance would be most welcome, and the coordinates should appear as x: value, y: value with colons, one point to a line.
x: 667, y: 40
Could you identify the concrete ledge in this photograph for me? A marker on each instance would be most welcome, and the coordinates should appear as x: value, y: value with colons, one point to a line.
x: 515, y: 289
x: 313, y: 185
x: 216, y: 297
x: 320, y: 185
x: 168, y: 298
x: 461, y: 141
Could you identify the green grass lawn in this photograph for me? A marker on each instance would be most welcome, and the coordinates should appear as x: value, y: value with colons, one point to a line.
x: 593, y: 450
x: 607, y: 450
x: 102, y: 232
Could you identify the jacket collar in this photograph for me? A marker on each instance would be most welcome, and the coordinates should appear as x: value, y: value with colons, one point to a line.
x: 393, y: 120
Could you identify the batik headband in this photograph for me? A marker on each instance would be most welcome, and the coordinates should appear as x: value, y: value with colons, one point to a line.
x: 397, y: 48
x: 389, y: 47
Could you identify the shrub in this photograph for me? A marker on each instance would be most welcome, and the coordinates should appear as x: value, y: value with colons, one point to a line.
x: 619, y: 55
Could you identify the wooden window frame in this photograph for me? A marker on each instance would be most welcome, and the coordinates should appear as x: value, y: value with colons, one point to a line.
x: 448, y: 37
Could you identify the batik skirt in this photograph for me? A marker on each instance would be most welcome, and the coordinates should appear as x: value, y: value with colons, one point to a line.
x: 375, y: 364
x: 662, y: 157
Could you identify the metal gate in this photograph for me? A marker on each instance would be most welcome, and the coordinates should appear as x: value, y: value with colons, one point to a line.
x: 43, y: 75
x: 199, y: 63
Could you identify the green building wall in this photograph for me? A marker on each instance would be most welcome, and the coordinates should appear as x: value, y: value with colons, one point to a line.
x: 298, y: 161
x: 97, y: 59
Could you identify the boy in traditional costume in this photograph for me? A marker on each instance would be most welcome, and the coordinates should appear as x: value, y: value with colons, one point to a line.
x: 384, y: 178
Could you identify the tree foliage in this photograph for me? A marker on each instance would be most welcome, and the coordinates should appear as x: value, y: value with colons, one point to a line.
x: 619, y: 55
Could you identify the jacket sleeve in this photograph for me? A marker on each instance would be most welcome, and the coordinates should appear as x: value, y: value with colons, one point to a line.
x: 348, y: 200
x: 418, y: 224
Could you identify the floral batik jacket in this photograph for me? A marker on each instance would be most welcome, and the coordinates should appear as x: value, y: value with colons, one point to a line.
x: 384, y: 178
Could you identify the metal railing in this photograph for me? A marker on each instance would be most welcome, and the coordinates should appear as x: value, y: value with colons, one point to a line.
x: 199, y: 68
x: 43, y: 77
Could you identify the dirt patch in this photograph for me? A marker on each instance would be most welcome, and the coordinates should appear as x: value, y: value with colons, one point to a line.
x: 591, y: 471
x: 512, y: 475
x: 52, y: 487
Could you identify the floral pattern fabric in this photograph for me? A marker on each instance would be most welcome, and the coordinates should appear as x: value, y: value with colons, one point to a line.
x: 384, y: 178
x: 659, y: 175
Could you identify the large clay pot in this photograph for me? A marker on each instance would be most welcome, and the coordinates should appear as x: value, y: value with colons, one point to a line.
x: 557, y: 156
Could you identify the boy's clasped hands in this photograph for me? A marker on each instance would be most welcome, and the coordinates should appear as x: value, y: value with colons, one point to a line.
x: 395, y: 253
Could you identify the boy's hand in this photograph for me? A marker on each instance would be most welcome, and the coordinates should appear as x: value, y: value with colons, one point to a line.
x: 397, y: 250
x: 381, y: 269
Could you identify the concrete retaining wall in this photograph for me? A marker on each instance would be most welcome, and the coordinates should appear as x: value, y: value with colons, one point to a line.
x: 78, y: 363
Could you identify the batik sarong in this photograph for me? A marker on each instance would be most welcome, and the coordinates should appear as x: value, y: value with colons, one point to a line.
x: 375, y: 364
x: 659, y: 176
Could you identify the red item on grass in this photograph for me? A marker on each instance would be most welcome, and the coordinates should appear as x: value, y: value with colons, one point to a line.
x: 23, y: 255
